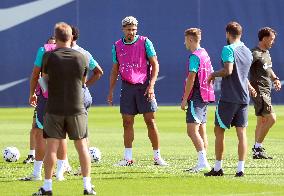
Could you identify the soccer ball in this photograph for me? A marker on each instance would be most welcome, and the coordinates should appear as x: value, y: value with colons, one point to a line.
x: 11, y: 154
x: 95, y: 154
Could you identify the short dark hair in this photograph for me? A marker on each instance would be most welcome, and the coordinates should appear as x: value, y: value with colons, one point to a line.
x: 50, y: 38
x: 62, y: 31
x: 75, y: 32
x: 234, y: 29
x: 265, y: 32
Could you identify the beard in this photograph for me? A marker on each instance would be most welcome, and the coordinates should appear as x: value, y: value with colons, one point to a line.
x: 228, y: 41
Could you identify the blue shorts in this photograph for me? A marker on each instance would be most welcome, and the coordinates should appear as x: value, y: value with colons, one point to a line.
x: 196, y: 112
x: 231, y: 114
x: 133, y: 101
x: 40, y: 111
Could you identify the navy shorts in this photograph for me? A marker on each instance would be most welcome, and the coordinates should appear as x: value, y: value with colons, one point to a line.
x: 133, y: 101
x: 231, y: 114
x: 40, y: 111
x: 196, y: 112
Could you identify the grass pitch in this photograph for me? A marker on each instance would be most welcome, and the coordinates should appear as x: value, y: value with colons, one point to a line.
x: 263, y: 177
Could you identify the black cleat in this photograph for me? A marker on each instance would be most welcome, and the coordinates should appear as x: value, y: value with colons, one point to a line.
x: 240, y: 174
x: 29, y: 159
x: 260, y: 153
x: 91, y: 192
x: 214, y: 173
x: 41, y: 191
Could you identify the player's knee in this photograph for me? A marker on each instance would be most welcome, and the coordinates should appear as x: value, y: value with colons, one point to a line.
x: 128, y: 123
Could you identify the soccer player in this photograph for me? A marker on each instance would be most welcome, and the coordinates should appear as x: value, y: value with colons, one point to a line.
x: 262, y: 77
x: 232, y: 108
x: 93, y: 66
x: 135, y: 59
x: 197, y: 94
x: 31, y: 155
x: 66, y: 69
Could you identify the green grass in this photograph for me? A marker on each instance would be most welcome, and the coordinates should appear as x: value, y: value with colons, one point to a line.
x: 263, y: 177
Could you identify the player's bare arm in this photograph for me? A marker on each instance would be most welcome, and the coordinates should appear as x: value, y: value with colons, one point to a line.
x: 276, y: 81
x: 226, y: 71
x: 154, y: 74
x: 33, y: 83
x: 188, y: 87
x: 97, y: 74
x: 112, y: 81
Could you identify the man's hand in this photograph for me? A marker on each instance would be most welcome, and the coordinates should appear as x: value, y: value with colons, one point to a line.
x: 211, y: 79
x: 33, y: 100
x: 150, y: 93
x: 183, y: 104
x: 277, y: 84
x: 110, y: 98
x: 252, y: 91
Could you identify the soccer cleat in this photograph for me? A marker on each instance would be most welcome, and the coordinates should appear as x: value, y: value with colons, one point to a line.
x: 124, y: 162
x: 260, y: 153
x: 159, y: 161
x: 90, y: 192
x: 199, y: 168
x: 240, y: 174
x: 78, y: 172
x: 31, y: 178
x: 214, y: 173
x: 41, y: 191
x: 29, y: 159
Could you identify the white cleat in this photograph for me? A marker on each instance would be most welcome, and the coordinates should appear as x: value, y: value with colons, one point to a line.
x: 124, y: 162
x: 199, y: 168
x: 31, y: 178
x: 161, y: 162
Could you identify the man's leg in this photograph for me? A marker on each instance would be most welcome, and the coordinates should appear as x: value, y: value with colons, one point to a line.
x: 193, y: 131
x: 128, y: 135
x: 203, y: 135
x: 49, y: 162
x: 266, y: 122
x: 62, y: 161
x: 219, y: 146
x: 153, y: 135
x: 31, y: 155
x: 85, y: 163
x: 242, y: 148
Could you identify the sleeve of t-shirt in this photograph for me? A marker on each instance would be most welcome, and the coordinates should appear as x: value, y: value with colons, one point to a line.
x: 194, y: 63
x: 114, y: 59
x: 150, y: 50
x: 39, y: 55
x: 92, y: 62
x: 227, y: 54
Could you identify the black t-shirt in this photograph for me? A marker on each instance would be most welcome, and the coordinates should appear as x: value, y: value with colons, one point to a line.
x: 65, y: 68
x: 260, y: 71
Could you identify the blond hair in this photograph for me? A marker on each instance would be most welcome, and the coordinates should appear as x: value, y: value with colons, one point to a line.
x: 194, y: 32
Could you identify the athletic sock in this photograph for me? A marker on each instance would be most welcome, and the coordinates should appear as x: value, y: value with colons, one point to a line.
x: 157, y: 154
x: 47, y: 185
x: 241, y: 166
x: 218, y: 165
x: 257, y: 145
x: 128, y: 154
x: 87, y: 183
x: 32, y: 152
x: 37, y: 168
x: 202, y: 160
x: 60, y: 168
